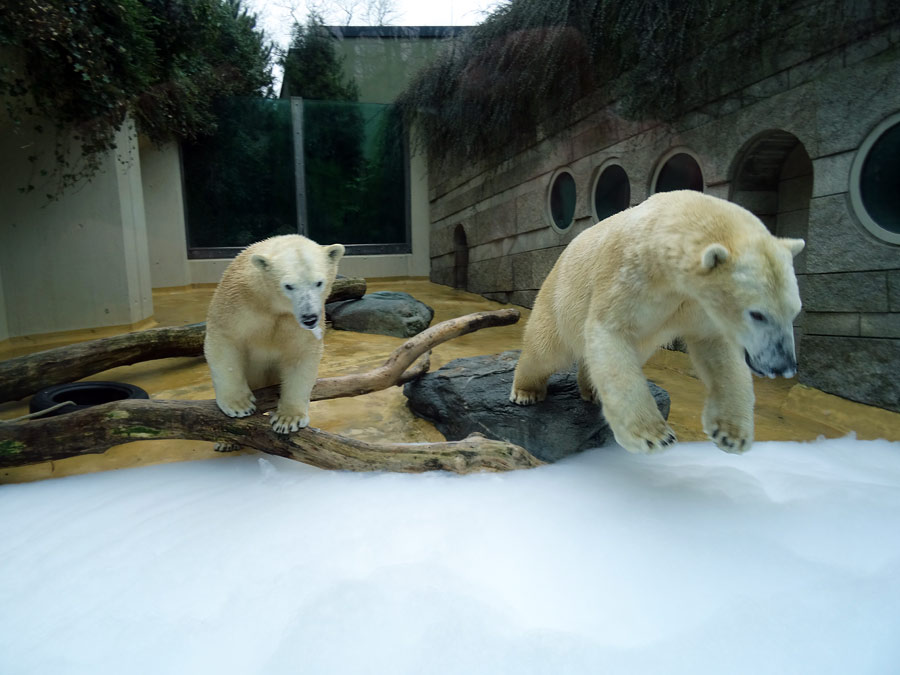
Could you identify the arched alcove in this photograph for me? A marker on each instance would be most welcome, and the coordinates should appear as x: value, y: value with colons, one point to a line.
x: 773, y: 178
x: 678, y: 169
x: 460, y: 258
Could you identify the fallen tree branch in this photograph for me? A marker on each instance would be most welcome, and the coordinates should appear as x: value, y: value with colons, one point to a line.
x: 93, y: 430
x: 25, y: 375
x: 96, y: 429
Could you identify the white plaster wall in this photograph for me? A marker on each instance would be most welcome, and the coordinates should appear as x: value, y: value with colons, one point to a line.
x: 164, y: 212
x: 77, y: 262
x: 134, y: 223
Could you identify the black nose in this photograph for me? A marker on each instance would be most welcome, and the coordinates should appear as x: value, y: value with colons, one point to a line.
x: 309, y: 320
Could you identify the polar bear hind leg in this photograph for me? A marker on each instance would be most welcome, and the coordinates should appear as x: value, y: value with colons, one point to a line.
x: 543, y: 353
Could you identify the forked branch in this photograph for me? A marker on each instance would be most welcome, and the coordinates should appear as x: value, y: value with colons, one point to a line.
x: 96, y: 429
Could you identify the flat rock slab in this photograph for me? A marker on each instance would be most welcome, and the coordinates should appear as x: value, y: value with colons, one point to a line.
x: 383, y: 312
x: 472, y: 395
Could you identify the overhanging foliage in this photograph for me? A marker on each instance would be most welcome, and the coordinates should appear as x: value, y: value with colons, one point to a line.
x: 525, y: 68
x: 85, y: 64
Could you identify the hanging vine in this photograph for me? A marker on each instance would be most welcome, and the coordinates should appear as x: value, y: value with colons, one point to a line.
x: 76, y: 68
x: 524, y: 70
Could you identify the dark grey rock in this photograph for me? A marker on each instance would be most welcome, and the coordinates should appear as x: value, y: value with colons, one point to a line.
x: 860, y: 369
x: 382, y: 312
x: 472, y: 395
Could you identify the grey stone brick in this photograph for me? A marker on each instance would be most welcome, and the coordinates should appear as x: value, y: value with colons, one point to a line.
x: 860, y: 369
x: 442, y: 275
x: 502, y: 298
x: 491, y: 276
x: 849, y: 292
x: 880, y: 325
x: 851, y: 101
x: 837, y: 243
x: 523, y: 298
x: 831, y: 175
x: 810, y: 69
x: 441, y: 239
x: 530, y: 211
x: 831, y: 323
x: 894, y: 290
x: 495, y: 222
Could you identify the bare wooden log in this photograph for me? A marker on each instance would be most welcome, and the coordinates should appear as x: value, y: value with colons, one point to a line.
x: 93, y: 430
x: 25, y: 375
x: 385, y: 375
x: 96, y: 429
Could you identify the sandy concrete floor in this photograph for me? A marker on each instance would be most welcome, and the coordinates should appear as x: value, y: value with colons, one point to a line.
x: 785, y: 410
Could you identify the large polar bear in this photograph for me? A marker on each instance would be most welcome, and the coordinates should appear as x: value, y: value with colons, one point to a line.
x: 265, y: 326
x: 680, y: 264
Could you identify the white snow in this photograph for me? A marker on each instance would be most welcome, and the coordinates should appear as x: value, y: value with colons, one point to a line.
x: 784, y: 560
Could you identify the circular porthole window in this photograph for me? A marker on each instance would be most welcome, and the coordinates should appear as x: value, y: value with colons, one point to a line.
x: 875, y: 181
x: 561, y: 200
x: 612, y: 191
x: 678, y: 171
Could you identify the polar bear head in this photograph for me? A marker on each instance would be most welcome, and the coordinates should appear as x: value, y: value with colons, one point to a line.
x: 751, y: 293
x: 297, y: 274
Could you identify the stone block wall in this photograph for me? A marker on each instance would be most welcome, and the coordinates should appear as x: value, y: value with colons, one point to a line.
x: 782, y: 146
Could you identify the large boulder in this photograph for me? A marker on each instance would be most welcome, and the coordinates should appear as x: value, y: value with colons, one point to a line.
x: 472, y: 394
x: 382, y: 312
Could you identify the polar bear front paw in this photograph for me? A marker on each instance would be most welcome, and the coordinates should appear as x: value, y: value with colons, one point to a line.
x: 285, y: 424
x: 237, y: 406
x: 526, y: 396
x: 644, y: 439
x: 729, y: 436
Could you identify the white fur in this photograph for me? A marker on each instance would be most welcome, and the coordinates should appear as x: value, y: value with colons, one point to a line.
x: 679, y: 264
x: 265, y: 326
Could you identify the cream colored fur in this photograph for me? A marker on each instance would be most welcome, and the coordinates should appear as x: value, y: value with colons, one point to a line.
x: 255, y: 334
x: 679, y: 264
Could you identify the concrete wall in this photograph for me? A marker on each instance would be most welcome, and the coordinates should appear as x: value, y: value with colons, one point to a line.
x: 80, y: 261
x: 809, y: 118
x: 164, y: 212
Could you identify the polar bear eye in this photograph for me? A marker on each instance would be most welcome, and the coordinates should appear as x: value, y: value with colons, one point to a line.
x: 318, y: 284
x: 758, y: 316
x: 288, y: 287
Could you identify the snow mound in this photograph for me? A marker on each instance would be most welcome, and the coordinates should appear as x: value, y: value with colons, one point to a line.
x: 784, y: 560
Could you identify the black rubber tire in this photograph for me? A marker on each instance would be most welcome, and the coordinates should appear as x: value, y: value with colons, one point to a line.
x: 83, y: 394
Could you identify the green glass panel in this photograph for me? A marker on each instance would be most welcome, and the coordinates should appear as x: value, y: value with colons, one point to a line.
x: 239, y: 183
x: 355, y: 172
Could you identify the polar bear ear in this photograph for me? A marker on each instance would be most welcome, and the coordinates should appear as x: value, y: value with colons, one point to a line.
x: 334, y: 252
x: 793, y: 245
x: 260, y: 261
x: 713, y: 256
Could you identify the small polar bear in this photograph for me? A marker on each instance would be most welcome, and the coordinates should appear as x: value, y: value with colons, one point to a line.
x: 265, y: 325
x: 683, y: 264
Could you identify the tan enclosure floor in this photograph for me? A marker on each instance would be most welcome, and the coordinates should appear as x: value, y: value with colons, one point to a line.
x: 785, y: 410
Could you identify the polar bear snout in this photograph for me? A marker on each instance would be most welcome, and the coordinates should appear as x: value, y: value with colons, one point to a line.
x: 775, y: 362
x: 309, y: 321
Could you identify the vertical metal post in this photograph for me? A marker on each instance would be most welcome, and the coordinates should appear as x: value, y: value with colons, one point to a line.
x: 299, y: 164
